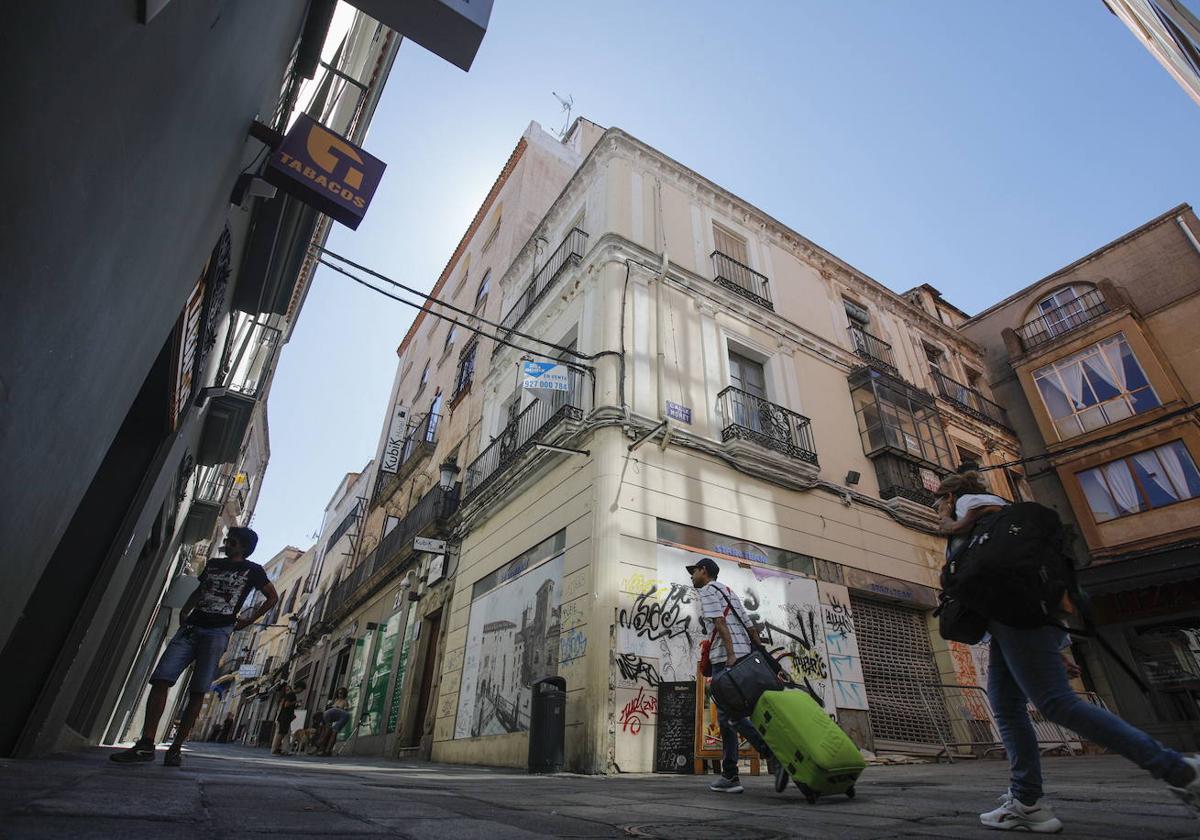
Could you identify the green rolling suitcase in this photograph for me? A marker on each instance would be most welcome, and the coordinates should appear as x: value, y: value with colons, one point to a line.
x: 817, y: 754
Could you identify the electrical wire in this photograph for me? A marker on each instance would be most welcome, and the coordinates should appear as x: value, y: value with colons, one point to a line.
x: 397, y: 284
x: 454, y: 321
x: 1079, y: 447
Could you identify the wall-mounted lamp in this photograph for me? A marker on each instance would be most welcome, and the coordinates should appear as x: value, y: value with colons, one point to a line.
x: 448, y: 471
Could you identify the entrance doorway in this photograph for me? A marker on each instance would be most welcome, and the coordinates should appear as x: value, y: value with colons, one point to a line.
x: 431, y: 627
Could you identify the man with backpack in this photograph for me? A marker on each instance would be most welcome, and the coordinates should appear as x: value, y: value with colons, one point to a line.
x: 1012, y: 570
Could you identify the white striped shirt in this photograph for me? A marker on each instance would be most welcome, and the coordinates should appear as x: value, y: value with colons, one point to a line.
x: 713, y: 605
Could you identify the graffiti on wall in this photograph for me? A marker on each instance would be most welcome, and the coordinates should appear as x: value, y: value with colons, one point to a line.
x: 514, y: 638
x: 634, y: 669
x: 841, y: 641
x: 640, y: 708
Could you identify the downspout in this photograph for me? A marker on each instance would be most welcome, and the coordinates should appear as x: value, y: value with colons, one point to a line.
x: 660, y: 244
x: 1187, y: 231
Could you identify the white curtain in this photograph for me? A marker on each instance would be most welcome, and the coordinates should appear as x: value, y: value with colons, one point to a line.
x: 1113, y: 352
x: 1172, y: 459
x: 1149, y: 463
x: 1072, y: 375
x: 1120, y: 480
x: 1099, y: 499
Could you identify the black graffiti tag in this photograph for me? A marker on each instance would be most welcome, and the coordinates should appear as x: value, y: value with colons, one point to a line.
x: 837, y: 619
x: 808, y: 658
x: 633, y: 668
x: 654, y: 620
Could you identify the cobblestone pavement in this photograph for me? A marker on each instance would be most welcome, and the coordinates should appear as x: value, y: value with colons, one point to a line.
x: 225, y: 791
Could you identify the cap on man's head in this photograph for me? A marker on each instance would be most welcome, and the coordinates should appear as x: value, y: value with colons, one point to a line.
x: 247, y: 538
x: 707, y: 564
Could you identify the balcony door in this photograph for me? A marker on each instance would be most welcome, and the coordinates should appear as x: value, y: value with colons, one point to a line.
x: 750, y: 378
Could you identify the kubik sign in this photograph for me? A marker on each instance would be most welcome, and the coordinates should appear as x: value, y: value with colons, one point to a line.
x: 325, y: 171
x: 544, y: 376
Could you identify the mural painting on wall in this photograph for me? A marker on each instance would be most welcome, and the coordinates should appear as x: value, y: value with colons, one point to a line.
x: 514, y: 638
x: 661, y: 622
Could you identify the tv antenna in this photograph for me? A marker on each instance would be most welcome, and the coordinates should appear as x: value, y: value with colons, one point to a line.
x: 567, y: 105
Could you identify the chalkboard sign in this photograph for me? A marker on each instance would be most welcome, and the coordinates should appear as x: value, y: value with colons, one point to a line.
x: 675, y: 735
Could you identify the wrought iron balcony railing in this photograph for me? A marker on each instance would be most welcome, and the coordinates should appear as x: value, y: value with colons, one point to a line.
x: 747, y: 417
x: 1059, y: 321
x: 872, y: 349
x: 213, y: 484
x: 905, y: 478
x: 569, y: 253
x: 434, y: 508
x: 526, y: 429
x: 741, y: 280
x: 968, y: 399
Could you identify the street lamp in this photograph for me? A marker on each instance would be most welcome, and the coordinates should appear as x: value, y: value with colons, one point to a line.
x: 449, y: 470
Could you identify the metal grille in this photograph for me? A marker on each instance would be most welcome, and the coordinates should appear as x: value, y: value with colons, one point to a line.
x: 897, y: 661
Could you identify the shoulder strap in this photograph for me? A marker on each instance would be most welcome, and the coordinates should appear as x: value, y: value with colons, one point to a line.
x: 729, y: 609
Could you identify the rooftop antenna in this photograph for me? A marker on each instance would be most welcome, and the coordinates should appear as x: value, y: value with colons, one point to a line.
x: 567, y: 105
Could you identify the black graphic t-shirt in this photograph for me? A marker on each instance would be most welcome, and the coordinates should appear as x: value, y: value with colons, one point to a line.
x: 224, y: 585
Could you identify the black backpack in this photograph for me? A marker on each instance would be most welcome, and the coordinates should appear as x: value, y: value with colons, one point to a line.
x: 1014, y: 567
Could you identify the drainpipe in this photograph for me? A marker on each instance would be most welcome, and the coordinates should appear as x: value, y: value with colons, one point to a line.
x: 1187, y: 231
x: 660, y: 238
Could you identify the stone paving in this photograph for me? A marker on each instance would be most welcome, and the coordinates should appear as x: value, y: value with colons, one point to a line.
x: 226, y: 791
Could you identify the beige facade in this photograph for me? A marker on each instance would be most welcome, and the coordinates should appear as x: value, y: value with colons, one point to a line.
x: 1097, y: 364
x: 808, y: 412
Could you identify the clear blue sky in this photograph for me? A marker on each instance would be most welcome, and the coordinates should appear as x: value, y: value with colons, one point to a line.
x: 976, y: 146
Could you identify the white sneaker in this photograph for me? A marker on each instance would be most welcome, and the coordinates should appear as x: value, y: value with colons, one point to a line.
x: 723, y: 785
x: 1012, y: 815
x: 1190, y: 793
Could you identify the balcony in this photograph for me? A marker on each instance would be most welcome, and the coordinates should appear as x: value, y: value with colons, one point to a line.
x: 569, y: 253
x: 380, y: 566
x: 969, y: 400
x: 741, y: 280
x: 400, y: 459
x: 533, y: 425
x: 244, y: 382
x: 905, y: 478
x: 1063, y: 319
x: 212, y: 486
x: 872, y: 349
x: 747, y: 417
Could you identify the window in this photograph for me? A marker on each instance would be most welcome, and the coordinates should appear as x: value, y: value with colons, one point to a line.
x: 893, y: 415
x: 730, y: 244
x: 748, y: 375
x: 966, y: 456
x: 1017, y: 485
x: 424, y: 378
x: 974, y: 378
x: 1151, y: 479
x: 859, y: 315
x: 1095, y: 387
x: 495, y: 231
x: 466, y: 369
x: 934, y: 356
x: 450, y: 335
x: 484, y: 285
x: 1061, y: 309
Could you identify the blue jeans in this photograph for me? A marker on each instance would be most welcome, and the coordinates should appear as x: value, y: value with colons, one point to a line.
x: 1026, y: 662
x: 200, y: 645
x: 729, y: 736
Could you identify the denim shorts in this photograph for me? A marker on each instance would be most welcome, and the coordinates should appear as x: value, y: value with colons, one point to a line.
x: 201, y: 646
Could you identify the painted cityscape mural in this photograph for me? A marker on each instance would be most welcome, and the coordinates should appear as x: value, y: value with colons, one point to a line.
x: 512, y: 641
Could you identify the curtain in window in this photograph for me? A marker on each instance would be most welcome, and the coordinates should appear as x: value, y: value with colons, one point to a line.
x: 1173, y: 462
x: 1072, y: 376
x: 1157, y: 472
x: 1124, y: 490
x: 1113, y: 353
x: 1099, y: 499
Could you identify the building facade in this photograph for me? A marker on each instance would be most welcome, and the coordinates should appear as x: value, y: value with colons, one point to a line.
x: 1169, y: 32
x: 1099, y: 367
x: 731, y: 390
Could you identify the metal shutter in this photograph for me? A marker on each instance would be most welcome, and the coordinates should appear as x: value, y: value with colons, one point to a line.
x: 899, y: 671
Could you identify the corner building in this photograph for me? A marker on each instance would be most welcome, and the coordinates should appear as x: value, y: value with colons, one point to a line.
x: 1098, y: 365
x: 734, y: 391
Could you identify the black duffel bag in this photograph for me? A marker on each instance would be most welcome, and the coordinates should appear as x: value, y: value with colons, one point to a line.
x: 738, y: 687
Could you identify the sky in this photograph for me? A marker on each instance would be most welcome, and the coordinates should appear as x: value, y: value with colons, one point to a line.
x: 976, y: 146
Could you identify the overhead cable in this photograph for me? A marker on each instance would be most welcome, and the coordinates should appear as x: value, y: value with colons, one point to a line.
x: 454, y: 321
x: 396, y: 283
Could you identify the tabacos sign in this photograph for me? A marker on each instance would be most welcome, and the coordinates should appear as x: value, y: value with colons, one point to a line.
x: 325, y: 171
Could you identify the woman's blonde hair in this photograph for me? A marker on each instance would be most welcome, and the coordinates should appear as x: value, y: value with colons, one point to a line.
x: 961, y: 484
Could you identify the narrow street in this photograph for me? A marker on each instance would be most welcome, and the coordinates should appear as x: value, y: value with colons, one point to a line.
x: 233, y: 791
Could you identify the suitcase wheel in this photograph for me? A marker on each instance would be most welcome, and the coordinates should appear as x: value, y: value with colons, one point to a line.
x: 809, y: 794
x: 850, y: 791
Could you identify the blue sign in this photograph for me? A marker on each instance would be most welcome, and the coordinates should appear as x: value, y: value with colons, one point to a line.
x: 544, y: 376
x: 679, y: 412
